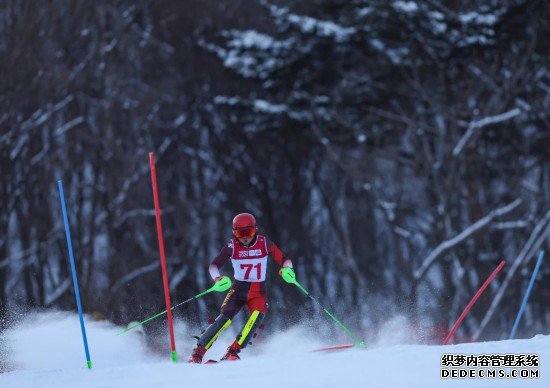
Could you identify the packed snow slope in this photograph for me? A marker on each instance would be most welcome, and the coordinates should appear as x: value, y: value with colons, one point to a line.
x: 46, y: 350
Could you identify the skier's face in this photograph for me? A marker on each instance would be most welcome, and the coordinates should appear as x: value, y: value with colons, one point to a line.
x: 245, y: 240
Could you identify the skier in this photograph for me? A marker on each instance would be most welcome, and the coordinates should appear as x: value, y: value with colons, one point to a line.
x: 248, y: 252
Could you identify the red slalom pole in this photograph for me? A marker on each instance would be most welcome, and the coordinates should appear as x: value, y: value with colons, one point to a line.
x: 163, y: 257
x: 473, y: 301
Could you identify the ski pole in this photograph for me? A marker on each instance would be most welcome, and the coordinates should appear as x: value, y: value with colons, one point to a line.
x: 290, y: 277
x: 220, y: 286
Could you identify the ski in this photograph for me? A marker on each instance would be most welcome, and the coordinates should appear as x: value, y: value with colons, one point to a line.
x: 215, y: 361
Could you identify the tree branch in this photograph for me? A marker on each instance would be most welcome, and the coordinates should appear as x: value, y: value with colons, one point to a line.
x: 132, y: 275
x: 536, y: 239
x: 448, y: 244
x: 58, y: 292
x: 480, y: 124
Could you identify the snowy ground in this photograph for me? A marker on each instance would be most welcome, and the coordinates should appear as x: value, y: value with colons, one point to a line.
x: 46, y: 351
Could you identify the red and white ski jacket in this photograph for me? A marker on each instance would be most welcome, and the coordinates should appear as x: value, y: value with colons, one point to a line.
x: 249, y: 262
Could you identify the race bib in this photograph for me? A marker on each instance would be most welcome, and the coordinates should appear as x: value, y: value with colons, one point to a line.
x: 250, y: 270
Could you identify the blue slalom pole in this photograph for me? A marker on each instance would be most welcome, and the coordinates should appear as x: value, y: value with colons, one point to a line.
x: 73, y: 271
x: 524, y: 302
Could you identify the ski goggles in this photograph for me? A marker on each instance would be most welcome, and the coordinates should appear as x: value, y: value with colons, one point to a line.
x: 249, y: 232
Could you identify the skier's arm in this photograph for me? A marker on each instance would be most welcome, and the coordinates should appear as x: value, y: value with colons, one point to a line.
x: 278, y: 255
x: 219, y: 261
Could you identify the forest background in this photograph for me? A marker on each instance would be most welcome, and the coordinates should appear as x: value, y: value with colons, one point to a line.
x: 397, y: 151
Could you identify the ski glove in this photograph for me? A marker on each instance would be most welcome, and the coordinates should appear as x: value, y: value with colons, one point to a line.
x: 288, y: 274
x: 223, y: 283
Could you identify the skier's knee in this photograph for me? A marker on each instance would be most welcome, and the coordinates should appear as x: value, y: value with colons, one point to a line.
x: 249, y: 330
x: 221, y: 323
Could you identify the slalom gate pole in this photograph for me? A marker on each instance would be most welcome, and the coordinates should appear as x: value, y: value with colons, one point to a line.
x: 162, y: 257
x: 473, y: 301
x: 220, y: 286
x: 357, y: 341
x: 73, y: 272
x: 524, y: 302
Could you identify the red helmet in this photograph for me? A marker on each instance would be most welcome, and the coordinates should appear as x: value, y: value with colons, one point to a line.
x: 244, y: 225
